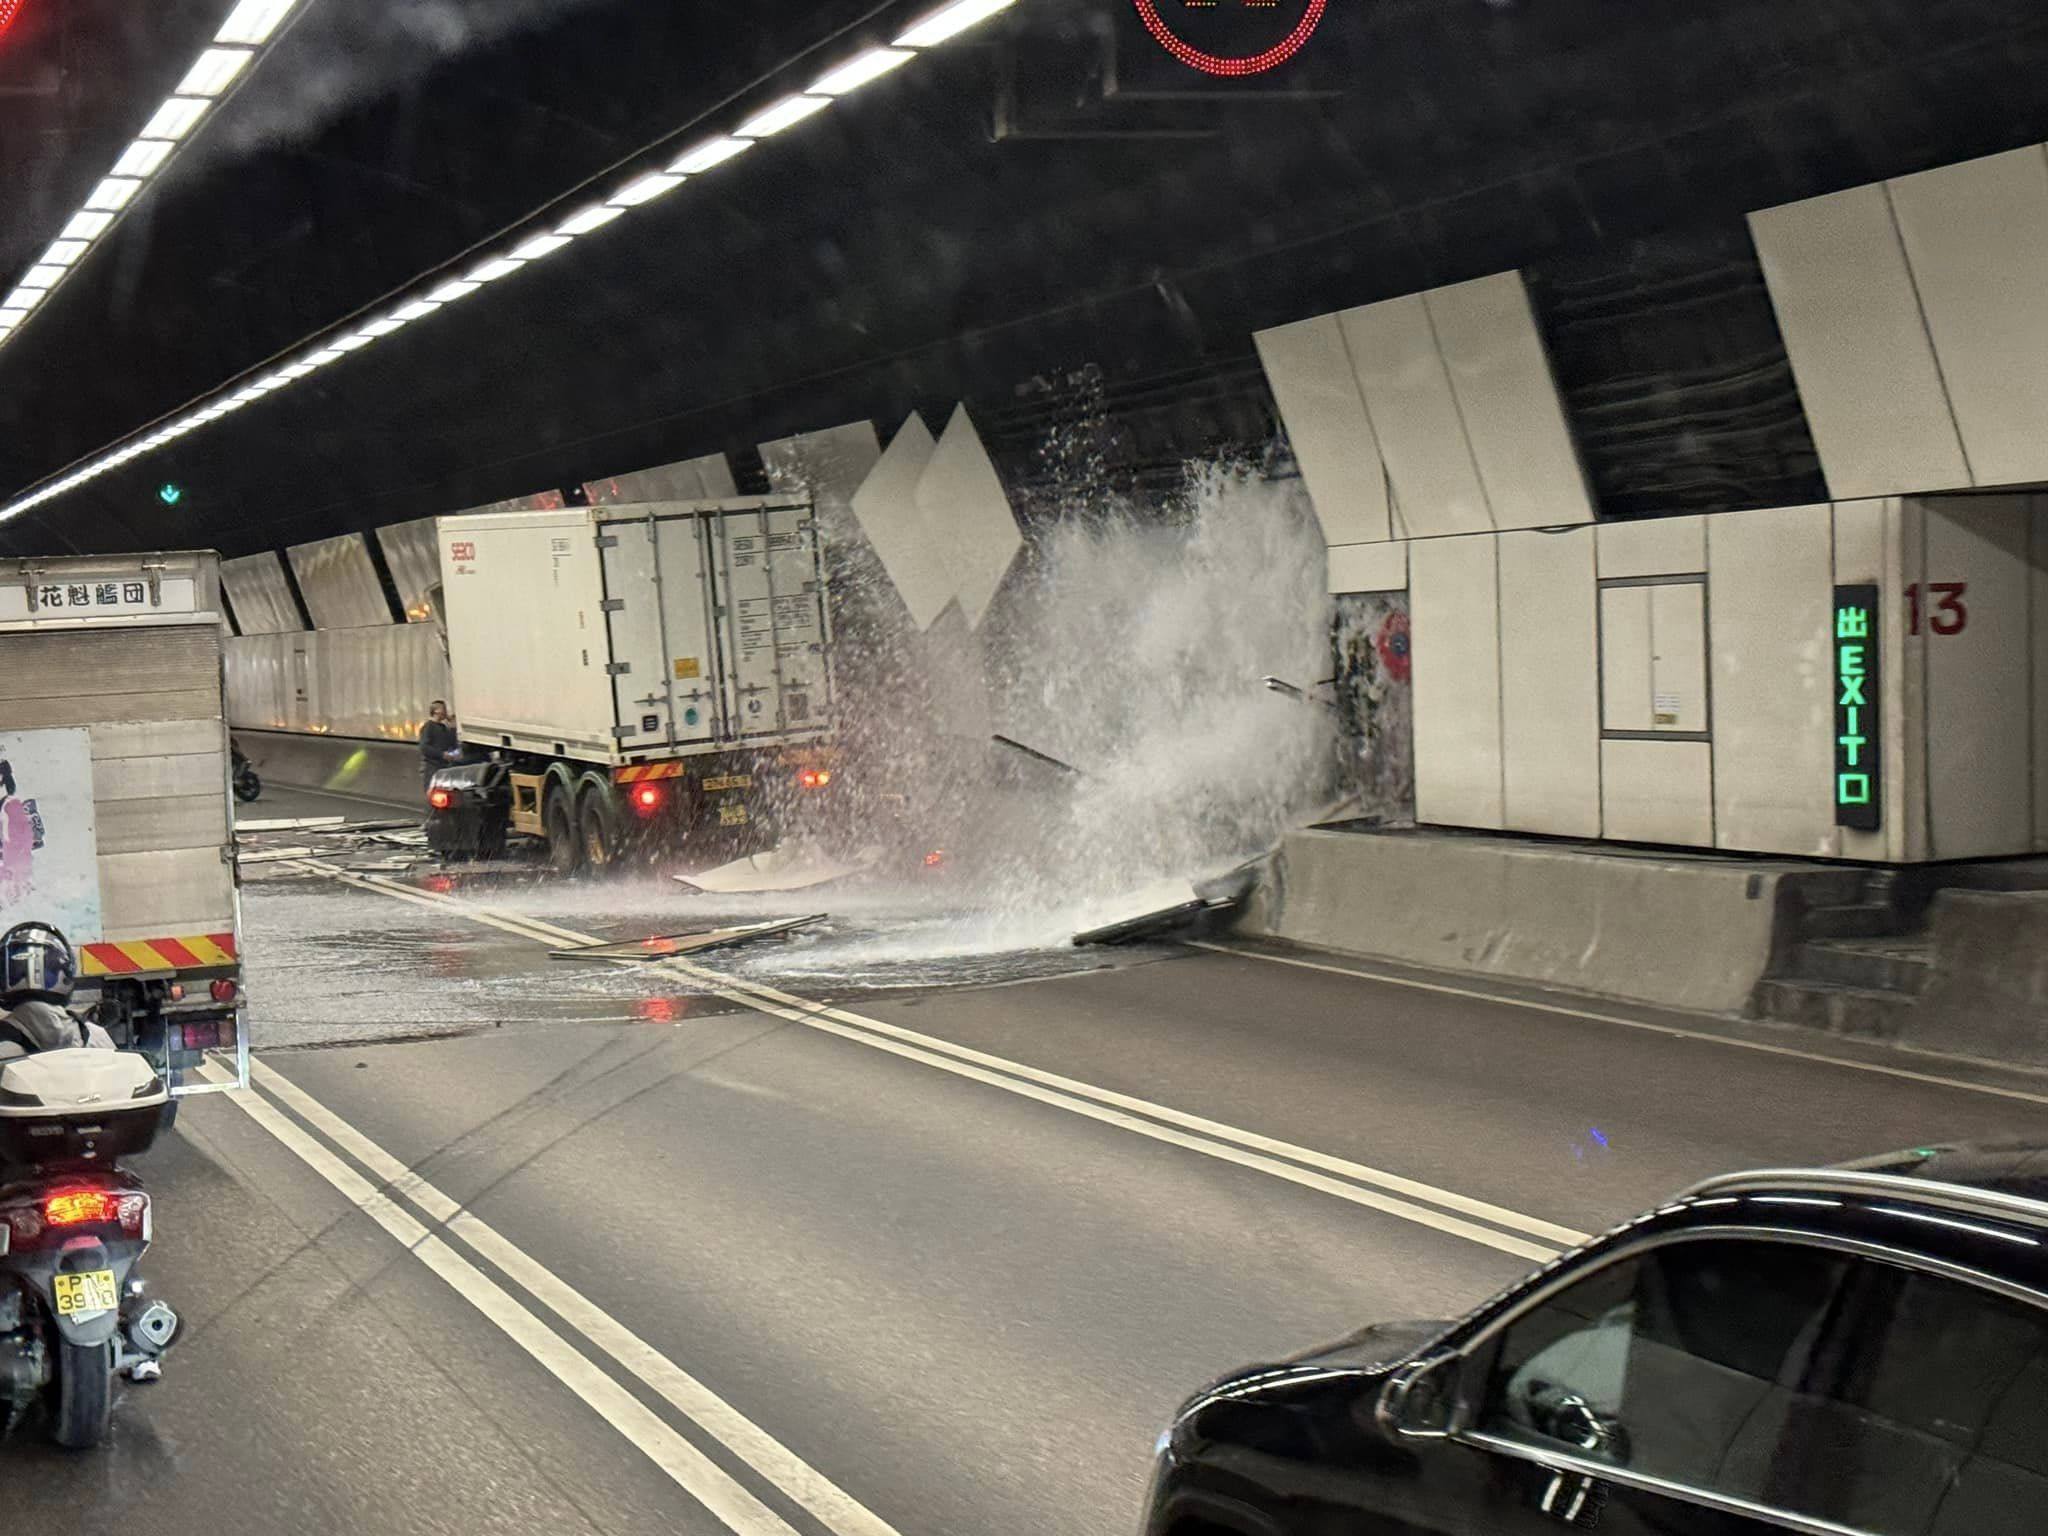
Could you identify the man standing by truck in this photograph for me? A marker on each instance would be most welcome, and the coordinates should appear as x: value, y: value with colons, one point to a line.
x: 439, y: 745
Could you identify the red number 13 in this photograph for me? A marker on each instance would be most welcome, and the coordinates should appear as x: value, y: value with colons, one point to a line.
x: 1951, y: 614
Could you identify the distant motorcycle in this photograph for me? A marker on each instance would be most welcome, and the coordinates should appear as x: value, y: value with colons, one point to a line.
x: 247, y: 785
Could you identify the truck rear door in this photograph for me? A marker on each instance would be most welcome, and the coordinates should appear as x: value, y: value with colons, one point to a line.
x: 776, y: 680
x: 663, y: 647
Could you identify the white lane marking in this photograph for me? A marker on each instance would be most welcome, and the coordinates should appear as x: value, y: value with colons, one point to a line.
x: 832, y: 1505
x: 1356, y: 974
x: 1157, y: 1121
x: 738, y: 1510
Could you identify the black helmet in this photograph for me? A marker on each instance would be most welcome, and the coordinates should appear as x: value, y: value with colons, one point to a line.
x: 36, y: 961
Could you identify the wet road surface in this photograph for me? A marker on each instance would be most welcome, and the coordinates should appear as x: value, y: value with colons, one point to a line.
x: 938, y: 1259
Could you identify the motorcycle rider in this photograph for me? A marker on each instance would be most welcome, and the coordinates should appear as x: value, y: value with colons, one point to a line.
x: 37, y: 973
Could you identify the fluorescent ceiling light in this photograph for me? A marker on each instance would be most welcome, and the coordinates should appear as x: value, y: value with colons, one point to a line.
x: 22, y: 299
x: 713, y: 152
x: 41, y: 277
x: 354, y: 343
x: 143, y: 157
x: 174, y: 119
x: 645, y: 190
x: 63, y: 252
x: 322, y: 359
x: 253, y: 21
x: 298, y: 371
x: 491, y: 271
x: 449, y: 292
x: 87, y: 226
x: 384, y: 327
x: 418, y: 310
x: 112, y: 194
x: 855, y: 73
x: 541, y: 245
x: 589, y: 219
x: 214, y: 71
x: 789, y: 110
x: 950, y: 21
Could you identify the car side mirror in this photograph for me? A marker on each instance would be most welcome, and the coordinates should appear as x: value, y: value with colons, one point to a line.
x: 1420, y: 1400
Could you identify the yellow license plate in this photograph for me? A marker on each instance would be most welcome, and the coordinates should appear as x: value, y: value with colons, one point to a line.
x: 92, y: 1291
x: 732, y: 816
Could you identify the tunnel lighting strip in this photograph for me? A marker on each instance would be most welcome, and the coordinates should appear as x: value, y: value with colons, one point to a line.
x: 534, y: 245
x: 244, y: 35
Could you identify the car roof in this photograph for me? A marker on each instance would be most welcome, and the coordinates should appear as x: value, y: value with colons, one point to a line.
x: 2008, y: 1180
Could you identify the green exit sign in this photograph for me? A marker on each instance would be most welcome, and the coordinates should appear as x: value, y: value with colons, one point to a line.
x: 1859, y: 763
x: 169, y: 494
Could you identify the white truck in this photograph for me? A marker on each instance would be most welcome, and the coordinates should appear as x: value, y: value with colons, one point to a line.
x: 116, y: 819
x: 634, y: 677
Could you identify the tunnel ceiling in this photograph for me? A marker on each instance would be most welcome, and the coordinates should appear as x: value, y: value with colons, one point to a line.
x: 1051, y: 199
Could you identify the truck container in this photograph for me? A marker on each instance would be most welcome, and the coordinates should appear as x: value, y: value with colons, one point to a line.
x: 630, y: 677
x: 116, y: 823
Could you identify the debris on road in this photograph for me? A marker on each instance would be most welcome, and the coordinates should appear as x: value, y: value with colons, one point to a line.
x: 776, y: 870
x: 669, y: 945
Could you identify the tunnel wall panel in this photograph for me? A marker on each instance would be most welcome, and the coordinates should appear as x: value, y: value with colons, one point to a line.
x: 1661, y: 546
x: 1407, y: 388
x: 1657, y: 792
x: 413, y: 556
x: 339, y: 583
x: 1866, y: 368
x: 1550, y: 711
x: 1977, y: 237
x: 1317, y: 390
x: 1508, y: 403
x: 259, y: 595
x: 1455, y: 597
x: 1770, y: 586
x: 1979, y: 685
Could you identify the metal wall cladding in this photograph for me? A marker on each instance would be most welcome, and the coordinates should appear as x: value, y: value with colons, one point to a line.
x: 691, y: 480
x: 414, y: 561
x: 260, y: 595
x: 373, y: 683
x: 339, y: 583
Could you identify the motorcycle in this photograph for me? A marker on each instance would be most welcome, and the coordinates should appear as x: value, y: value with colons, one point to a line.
x: 74, y: 1314
x: 247, y: 785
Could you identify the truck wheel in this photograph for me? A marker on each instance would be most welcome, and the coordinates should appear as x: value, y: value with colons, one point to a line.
x: 83, y: 1400
x: 602, y: 840
x: 565, y: 847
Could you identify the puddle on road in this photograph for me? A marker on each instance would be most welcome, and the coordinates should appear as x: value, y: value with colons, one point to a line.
x: 332, y: 964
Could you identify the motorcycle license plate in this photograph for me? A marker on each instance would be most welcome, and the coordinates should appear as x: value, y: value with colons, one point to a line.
x: 93, y: 1291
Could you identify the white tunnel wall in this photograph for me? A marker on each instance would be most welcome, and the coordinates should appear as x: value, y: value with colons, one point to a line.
x: 1426, y: 416
x: 1915, y: 314
x: 1454, y: 597
x: 1673, y: 681
x: 1770, y: 596
x: 1550, y: 706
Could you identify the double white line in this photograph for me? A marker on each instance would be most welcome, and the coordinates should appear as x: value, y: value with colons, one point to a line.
x: 1426, y: 1205
x: 391, y: 1202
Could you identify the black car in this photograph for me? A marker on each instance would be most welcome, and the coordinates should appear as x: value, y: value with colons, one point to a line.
x: 1842, y: 1352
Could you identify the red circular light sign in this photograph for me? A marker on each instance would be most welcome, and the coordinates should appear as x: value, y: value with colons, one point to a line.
x: 1227, y: 66
x: 9, y: 9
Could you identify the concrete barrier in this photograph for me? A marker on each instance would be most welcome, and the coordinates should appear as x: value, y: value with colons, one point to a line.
x: 1691, y: 933
x: 374, y: 770
x: 1987, y: 989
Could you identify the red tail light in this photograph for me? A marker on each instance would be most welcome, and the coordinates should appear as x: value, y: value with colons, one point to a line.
x: 814, y: 778
x: 223, y: 991
x: 647, y: 798
x: 89, y: 1208
x: 935, y: 858
x: 440, y: 799
x: 82, y: 1207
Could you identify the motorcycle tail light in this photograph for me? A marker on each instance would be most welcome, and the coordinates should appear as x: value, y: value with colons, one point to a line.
x: 814, y: 778
x: 82, y: 1208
